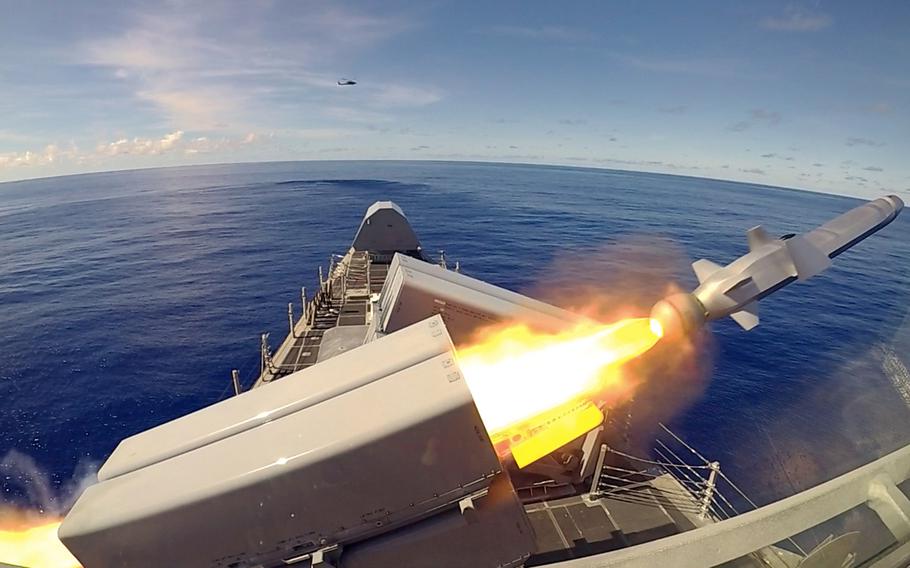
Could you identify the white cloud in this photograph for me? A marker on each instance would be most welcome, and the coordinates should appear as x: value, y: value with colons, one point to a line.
x: 758, y: 116
x: 858, y: 141
x: 767, y: 116
x: 175, y: 143
x: 207, y: 145
x: 140, y: 146
x: 51, y: 154
x: 350, y: 27
x: 797, y: 19
x: 202, y: 71
x: 202, y: 109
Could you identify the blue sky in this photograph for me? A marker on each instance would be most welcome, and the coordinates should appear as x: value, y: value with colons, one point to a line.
x: 814, y: 95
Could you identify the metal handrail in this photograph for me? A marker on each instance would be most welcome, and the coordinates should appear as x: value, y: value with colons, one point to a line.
x: 710, y: 504
x: 643, y: 460
x: 700, y: 493
x: 685, y: 471
x: 874, y: 484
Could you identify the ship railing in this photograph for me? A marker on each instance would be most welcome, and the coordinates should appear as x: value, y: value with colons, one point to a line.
x: 298, y: 327
x: 702, y: 492
x: 252, y: 368
x: 325, y: 300
x: 634, y: 482
x: 875, y: 487
x: 633, y: 477
x: 444, y: 262
x: 713, y: 494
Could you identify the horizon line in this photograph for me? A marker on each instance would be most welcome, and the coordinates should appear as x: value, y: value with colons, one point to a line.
x: 452, y: 161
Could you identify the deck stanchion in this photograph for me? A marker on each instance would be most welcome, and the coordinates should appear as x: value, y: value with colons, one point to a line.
x: 709, y: 490
x: 235, y: 379
x: 291, y: 318
x: 263, y: 352
x: 321, y: 280
x: 598, y: 470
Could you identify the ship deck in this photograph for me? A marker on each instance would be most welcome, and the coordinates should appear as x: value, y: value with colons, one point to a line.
x: 579, y: 526
x: 343, y: 300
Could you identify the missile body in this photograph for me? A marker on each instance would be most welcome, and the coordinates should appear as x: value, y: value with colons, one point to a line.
x: 734, y: 290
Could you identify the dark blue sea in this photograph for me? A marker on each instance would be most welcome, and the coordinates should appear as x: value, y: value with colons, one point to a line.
x: 126, y: 299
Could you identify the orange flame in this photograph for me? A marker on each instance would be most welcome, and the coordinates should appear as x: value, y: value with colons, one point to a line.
x: 527, y: 383
x: 33, y: 543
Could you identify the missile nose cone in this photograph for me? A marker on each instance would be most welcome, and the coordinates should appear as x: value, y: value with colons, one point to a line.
x: 678, y: 315
x: 896, y: 202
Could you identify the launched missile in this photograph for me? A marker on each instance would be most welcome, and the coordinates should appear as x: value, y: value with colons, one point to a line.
x: 734, y: 290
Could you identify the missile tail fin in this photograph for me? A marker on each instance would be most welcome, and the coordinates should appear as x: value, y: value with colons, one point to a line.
x: 704, y: 268
x: 807, y: 259
x: 758, y: 236
x: 747, y: 318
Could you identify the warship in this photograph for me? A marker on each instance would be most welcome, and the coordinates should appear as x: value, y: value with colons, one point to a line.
x: 360, y: 444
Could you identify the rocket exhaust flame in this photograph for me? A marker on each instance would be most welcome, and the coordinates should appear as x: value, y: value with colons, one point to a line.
x: 33, y: 543
x: 537, y: 392
x: 28, y: 536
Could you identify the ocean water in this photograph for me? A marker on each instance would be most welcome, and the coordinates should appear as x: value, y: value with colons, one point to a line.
x: 126, y: 299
